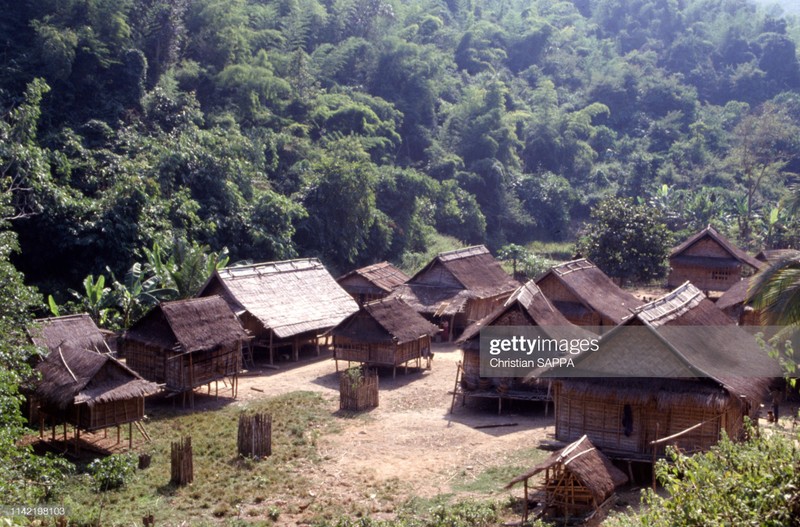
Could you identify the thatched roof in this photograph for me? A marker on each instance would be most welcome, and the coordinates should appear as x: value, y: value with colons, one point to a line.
x: 72, y: 331
x: 710, y: 232
x: 386, y: 320
x: 776, y: 255
x: 381, y: 276
x: 594, y: 288
x: 205, y: 323
x: 75, y: 376
x: 736, y: 295
x: 449, y: 281
x: 537, y: 309
x: 289, y: 298
x: 684, y: 335
x: 589, y: 466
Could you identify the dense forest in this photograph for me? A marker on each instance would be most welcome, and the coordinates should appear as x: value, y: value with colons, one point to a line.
x: 360, y: 130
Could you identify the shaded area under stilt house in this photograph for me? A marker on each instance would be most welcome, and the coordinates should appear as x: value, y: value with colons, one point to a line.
x: 186, y: 344
x: 578, y: 484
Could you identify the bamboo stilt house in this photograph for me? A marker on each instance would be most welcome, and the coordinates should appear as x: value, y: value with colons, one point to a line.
x: 710, y: 261
x: 586, y: 296
x: 372, y: 282
x: 283, y: 304
x: 578, y: 479
x: 458, y: 288
x: 527, y: 306
x: 90, y: 390
x: 679, y: 369
x: 386, y: 332
x: 186, y: 344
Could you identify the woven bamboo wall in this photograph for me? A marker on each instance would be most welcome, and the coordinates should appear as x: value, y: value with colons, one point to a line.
x: 147, y: 361
x: 602, y: 420
x: 382, y: 354
x: 190, y: 370
x: 705, y: 278
x: 707, y: 247
x: 358, y: 394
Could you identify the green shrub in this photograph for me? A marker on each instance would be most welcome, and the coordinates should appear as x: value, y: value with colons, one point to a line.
x: 112, y: 472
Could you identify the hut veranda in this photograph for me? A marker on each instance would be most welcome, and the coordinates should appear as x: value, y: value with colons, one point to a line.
x: 386, y: 332
x: 679, y: 368
x: 284, y: 304
x: 186, y: 344
x: 80, y: 385
x: 457, y: 288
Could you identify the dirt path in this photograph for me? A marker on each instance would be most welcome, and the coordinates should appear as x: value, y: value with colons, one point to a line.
x: 410, y: 445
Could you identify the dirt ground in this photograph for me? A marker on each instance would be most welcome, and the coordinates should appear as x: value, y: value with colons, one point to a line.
x: 411, y: 444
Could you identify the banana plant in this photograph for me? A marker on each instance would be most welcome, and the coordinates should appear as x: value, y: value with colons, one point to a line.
x: 96, y: 299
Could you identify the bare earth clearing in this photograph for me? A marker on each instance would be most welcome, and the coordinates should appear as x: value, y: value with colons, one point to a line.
x: 410, y: 446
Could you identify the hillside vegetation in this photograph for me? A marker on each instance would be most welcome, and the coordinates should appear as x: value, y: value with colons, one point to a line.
x: 356, y: 130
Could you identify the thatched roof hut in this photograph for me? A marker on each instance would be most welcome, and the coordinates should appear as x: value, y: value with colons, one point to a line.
x: 283, y: 303
x: 90, y: 390
x: 710, y: 261
x: 776, y: 255
x: 71, y: 331
x: 386, y: 332
x: 458, y: 287
x: 578, y: 479
x: 679, y: 368
x: 736, y: 302
x: 585, y: 295
x: 372, y: 282
x: 186, y: 343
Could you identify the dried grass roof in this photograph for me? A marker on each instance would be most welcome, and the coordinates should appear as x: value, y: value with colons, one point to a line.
x: 775, y: 255
x: 539, y: 310
x: 589, y: 466
x: 385, y: 320
x: 195, y: 324
x: 475, y: 269
x: 717, y: 349
x: 432, y: 300
x: 737, y: 294
x: 289, y: 298
x: 594, y: 288
x: 383, y: 276
x: 710, y: 232
x: 75, y: 376
x: 75, y: 331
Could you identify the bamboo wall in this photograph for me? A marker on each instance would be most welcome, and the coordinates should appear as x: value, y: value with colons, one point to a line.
x: 708, y: 278
x: 601, y: 419
x: 183, y: 371
x: 379, y: 354
x: 360, y: 393
x: 104, y: 415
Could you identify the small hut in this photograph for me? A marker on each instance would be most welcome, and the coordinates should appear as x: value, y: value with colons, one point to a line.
x: 775, y: 255
x: 737, y: 304
x: 186, y: 343
x: 384, y: 332
x: 90, y: 390
x: 283, y: 304
x: 679, y: 369
x: 710, y: 261
x: 527, y: 306
x: 578, y: 481
x: 372, y: 282
x: 458, y: 288
x: 586, y: 296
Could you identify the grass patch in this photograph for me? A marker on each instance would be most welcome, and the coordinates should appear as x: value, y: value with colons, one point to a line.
x: 226, y: 487
x: 558, y: 251
x: 491, y: 480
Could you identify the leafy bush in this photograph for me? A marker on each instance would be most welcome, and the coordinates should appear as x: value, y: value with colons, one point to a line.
x: 112, y: 472
x: 756, y: 482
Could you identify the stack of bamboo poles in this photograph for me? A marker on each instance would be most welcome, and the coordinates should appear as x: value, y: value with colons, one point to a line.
x: 255, y: 435
x: 182, y: 466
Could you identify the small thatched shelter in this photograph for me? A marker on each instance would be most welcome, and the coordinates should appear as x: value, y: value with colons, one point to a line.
x: 89, y: 390
x: 372, y: 282
x: 384, y: 332
x: 776, y: 255
x: 457, y: 288
x: 186, y: 343
x: 679, y: 369
x: 737, y: 304
x: 527, y: 306
x: 710, y: 262
x: 578, y: 480
x: 586, y: 296
x: 283, y: 304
